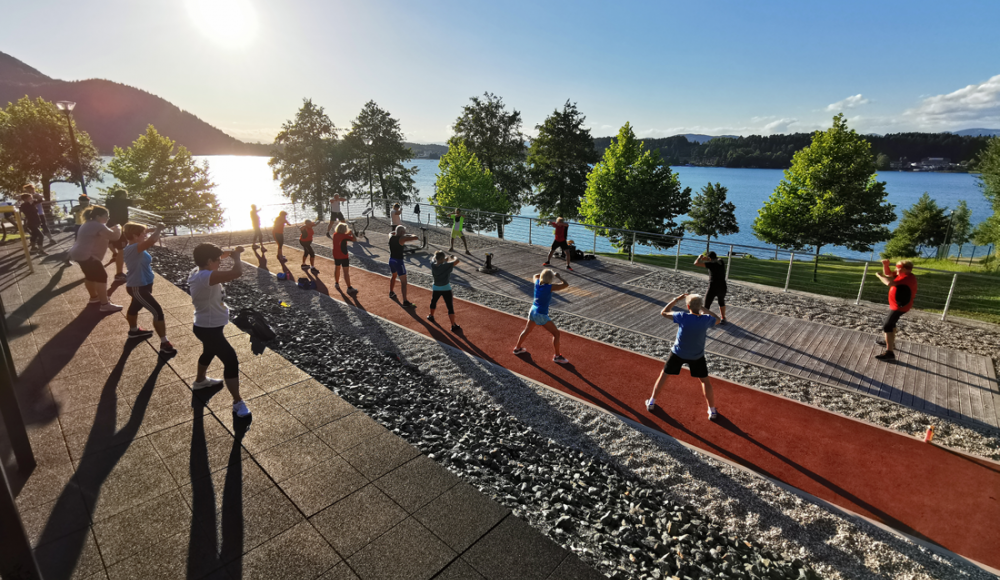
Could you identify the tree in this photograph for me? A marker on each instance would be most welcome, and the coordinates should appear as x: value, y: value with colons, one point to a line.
x: 558, y: 162
x: 633, y: 189
x: 35, y: 148
x: 164, y: 178
x: 961, y: 226
x: 494, y: 135
x: 882, y: 162
x: 921, y: 230
x: 462, y: 181
x: 307, y: 157
x: 988, y: 163
x: 375, y: 154
x: 711, y: 215
x: 828, y: 196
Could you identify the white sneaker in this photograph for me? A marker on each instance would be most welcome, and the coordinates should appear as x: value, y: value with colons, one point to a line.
x: 651, y: 405
x: 712, y: 414
x: 109, y: 307
x: 240, y: 409
x: 207, y: 383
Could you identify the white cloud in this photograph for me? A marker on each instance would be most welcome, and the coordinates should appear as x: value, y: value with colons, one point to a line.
x: 974, y: 105
x: 848, y: 103
x: 780, y: 126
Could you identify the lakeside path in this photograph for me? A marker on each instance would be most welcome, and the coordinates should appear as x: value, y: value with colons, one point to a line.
x: 928, y: 491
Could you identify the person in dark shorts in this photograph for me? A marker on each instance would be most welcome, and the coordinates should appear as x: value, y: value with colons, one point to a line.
x: 341, y: 258
x: 717, y: 287
x: 211, y: 315
x: 88, y: 251
x: 689, y: 348
x: 441, y: 271
x: 44, y: 224
x: 457, y: 228
x: 539, y: 313
x: 902, y: 290
x: 416, y: 211
x: 258, y: 235
x: 118, y: 204
x: 139, y: 284
x: 560, y: 242
x: 397, y: 267
x: 335, y: 216
x: 32, y: 221
x: 306, y: 239
x: 278, y: 232
x: 396, y: 215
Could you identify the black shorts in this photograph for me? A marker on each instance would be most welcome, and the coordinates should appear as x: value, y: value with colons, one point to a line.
x: 345, y: 262
x: 560, y: 244
x: 889, y: 324
x: 336, y: 215
x: 279, y: 238
x: 307, y: 248
x: 699, y: 367
x: 716, y: 292
x: 93, y: 271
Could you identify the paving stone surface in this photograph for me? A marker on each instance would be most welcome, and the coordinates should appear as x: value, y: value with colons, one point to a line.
x: 139, y: 476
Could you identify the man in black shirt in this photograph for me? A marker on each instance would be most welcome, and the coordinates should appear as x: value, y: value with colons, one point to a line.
x: 716, y: 281
x: 396, y: 265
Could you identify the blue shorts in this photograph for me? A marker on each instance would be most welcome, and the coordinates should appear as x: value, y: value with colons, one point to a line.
x: 538, y: 318
x: 397, y: 267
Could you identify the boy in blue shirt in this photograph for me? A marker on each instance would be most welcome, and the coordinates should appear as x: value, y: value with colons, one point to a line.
x: 689, y: 348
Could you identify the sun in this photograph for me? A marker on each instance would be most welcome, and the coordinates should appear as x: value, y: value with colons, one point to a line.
x: 230, y: 23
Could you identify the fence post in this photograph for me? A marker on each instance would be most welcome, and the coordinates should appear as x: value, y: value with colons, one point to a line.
x: 631, y: 258
x: 595, y: 241
x: 677, y: 260
x: 862, y: 289
x: 729, y: 262
x: 788, y: 278
x: 973, y: 254
x: 531, y: 224
x: 951, y: 292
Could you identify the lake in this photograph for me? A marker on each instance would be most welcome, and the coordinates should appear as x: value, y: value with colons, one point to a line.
x: 241, y: 181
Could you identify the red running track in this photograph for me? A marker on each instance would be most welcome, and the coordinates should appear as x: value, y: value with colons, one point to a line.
x: 924, y: 490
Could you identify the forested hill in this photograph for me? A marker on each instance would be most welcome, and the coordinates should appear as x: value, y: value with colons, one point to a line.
x: 116, y: 114
x: 776, y: 151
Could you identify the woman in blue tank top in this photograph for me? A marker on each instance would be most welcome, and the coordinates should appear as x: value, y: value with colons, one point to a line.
x: 539, y: 314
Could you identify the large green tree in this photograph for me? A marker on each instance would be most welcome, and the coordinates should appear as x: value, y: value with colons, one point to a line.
x: 558, y: 162
x: 711, y: 215
x: 829, y: 196
x: 376, y: 157
x: 494, y: 135
x: 634, y: 189
x: 163, y: 177
x: 920, y: 231
x: 307, y: 158
x: 463, y: 182
x: 961, y: 226
x: 988, y: 164
x: 35, y: 148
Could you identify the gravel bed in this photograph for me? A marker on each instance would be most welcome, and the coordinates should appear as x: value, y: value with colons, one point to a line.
x: 617, y: 497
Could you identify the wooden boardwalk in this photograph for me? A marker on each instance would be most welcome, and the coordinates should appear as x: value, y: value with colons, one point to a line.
x: 939, y: 381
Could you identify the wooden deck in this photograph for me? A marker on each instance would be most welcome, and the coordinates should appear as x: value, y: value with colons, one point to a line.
x: 939, y: 381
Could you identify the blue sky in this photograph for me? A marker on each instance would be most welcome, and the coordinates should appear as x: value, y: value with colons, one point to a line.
x: 715, y: 67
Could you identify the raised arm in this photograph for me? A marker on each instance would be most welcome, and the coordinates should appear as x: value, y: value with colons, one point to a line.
x: 454, y: 261
x: 561, y: 285
x: 409, y: 238
x: 152, y: 239
x: 712, y: 314
x: 221, y: 276
x: 699, y: 261
x: 670, y: 305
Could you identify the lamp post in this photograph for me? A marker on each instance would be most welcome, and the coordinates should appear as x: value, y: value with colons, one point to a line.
x: 371, y: 194
x: 67, y: 107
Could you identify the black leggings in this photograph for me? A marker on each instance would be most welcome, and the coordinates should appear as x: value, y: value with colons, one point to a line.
x: 214, y: 344
x: 715, y: 292
x: 307, y: 249
x: 142, y: 297
x: 446, y: 294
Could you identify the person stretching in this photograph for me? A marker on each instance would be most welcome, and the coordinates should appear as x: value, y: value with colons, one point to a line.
x: 398, y: 238
x: 689, y: 348
x: 278, y: 232
x: 139, y: 284
x: 32, y: 221
x: 211, y: 315
x: 341, y: 259
x: 258, y: 236
x: 902, y: 290
x: 89, y: 250
x: 335, y: 215
x: 306, y: 239
x: 539, y: 313
x: 396, y: 215
x: 441, y: 271
x: 560, y: 242
x: 716, y: 281
x: 456, y: 231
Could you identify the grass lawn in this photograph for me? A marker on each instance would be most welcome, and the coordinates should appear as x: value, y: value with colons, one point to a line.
x: 976, y: 297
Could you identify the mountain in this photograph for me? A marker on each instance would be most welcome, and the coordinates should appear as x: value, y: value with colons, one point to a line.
x: 699, y: 139
x: 115, y: 114
x: 978, y: 132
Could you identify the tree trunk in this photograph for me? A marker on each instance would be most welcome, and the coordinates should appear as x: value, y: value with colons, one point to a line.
x: 816, y: 263
x: 708, y: 245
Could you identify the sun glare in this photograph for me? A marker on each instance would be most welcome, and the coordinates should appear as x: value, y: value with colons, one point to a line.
x: 230, y: 23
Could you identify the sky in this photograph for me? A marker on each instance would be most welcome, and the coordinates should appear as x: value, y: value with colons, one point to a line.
x: 711, y: 67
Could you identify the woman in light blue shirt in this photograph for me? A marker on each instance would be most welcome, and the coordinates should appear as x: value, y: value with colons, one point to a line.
x: 139, y: 284
x: 539, y: 314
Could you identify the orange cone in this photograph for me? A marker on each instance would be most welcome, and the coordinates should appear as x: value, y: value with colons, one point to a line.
x: 929, y: 435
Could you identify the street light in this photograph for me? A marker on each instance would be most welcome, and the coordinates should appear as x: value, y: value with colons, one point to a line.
x: 67, y: 107
x: 368, y: 143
